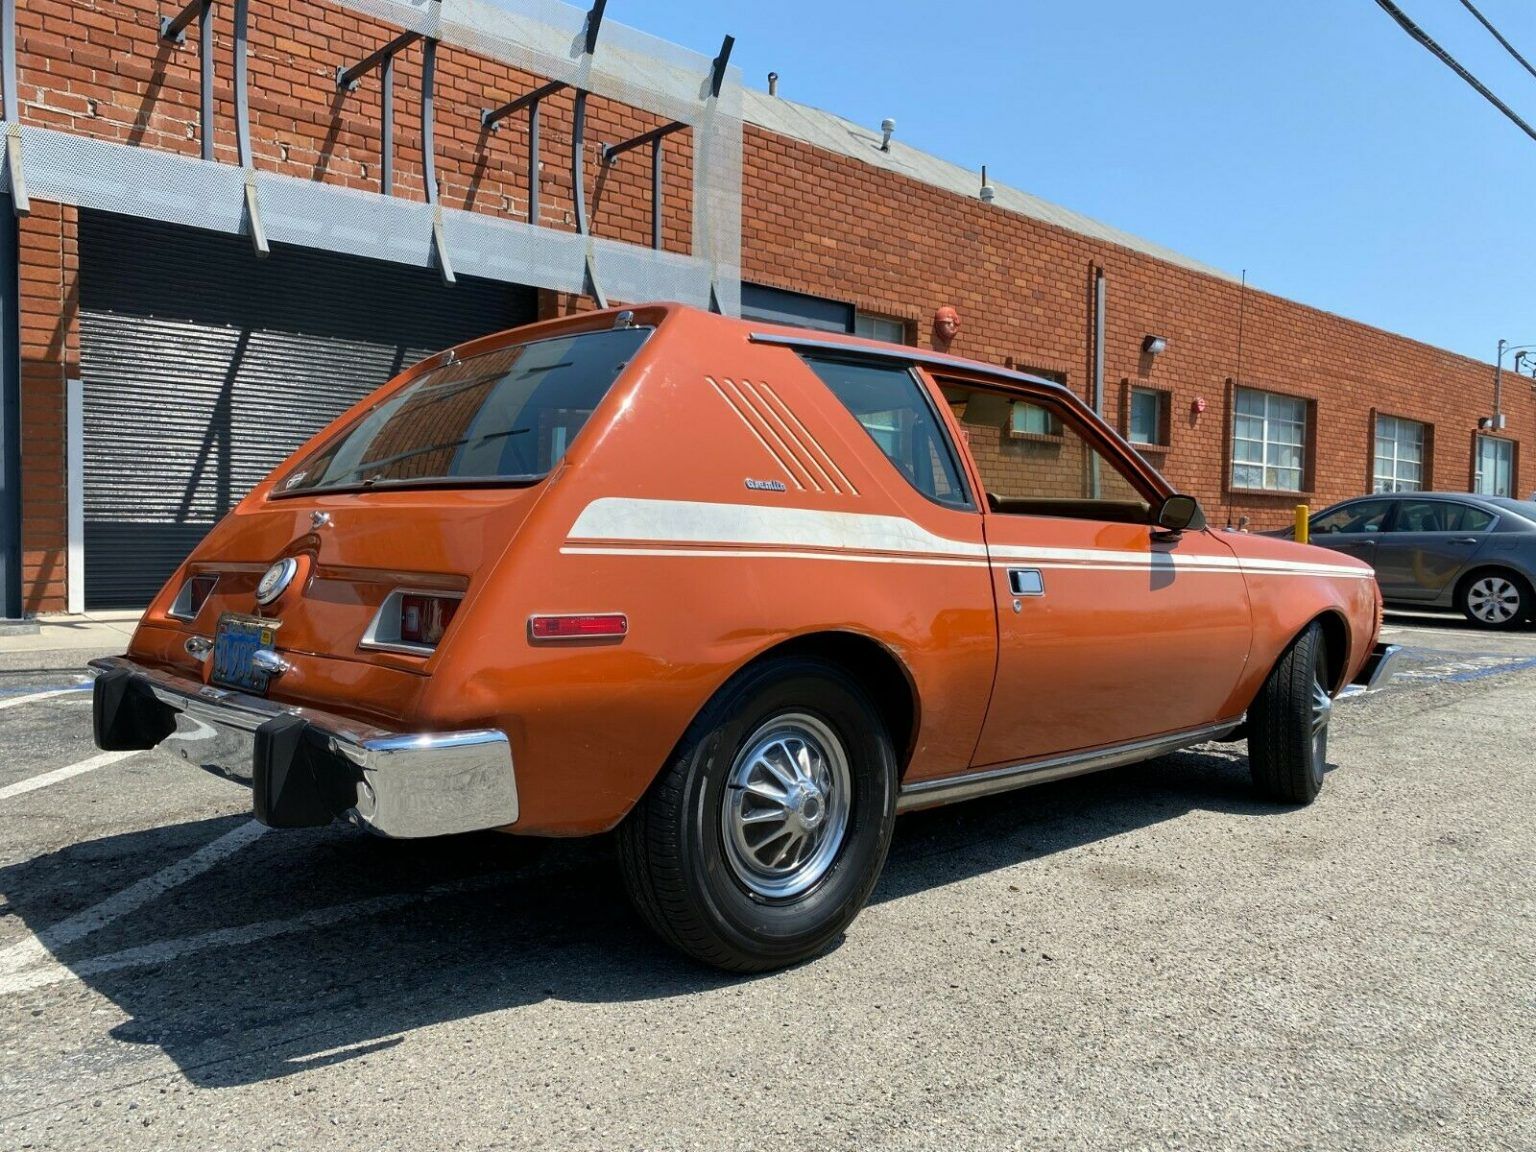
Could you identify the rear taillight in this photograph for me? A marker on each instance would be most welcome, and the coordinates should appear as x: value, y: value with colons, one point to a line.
x: 585, y: 626
x: 424, y: 618
x: 193, y: 595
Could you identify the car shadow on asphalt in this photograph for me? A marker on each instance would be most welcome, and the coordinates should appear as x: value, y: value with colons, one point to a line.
x: 307, y: 948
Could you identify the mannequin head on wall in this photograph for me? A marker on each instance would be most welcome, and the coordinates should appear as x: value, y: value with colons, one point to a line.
x: 946, y: 326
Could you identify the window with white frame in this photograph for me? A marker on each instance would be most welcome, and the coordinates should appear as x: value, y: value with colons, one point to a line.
x: 1399, y: 465
x: 1495, y: 467
x: 1146, y: 422
x: 880, y: 328
x: 1269, y: 436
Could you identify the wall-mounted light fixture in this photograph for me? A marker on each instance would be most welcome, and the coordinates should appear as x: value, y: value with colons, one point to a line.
x: 1154, y: 345
x: 887, y: 126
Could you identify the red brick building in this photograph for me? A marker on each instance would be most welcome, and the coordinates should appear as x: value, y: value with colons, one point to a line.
x: 165, y: 363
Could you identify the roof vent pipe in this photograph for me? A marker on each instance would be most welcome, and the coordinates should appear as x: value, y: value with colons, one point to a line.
x: 773, y: 83
x: 988, y: 193
x: 887, y: 126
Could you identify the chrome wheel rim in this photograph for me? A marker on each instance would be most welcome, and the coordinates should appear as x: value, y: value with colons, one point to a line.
x: 1322, y: 712
x: 1493, y: 600
x: 784, y: 815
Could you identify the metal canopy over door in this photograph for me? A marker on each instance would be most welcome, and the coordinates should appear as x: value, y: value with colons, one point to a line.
x: 204, y: 367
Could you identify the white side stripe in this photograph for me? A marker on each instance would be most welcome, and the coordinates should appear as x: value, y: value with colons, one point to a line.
x: 615, y: 518
x: 622, y: 526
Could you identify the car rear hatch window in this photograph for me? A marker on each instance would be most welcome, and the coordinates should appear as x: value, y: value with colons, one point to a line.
x: 503, y: 417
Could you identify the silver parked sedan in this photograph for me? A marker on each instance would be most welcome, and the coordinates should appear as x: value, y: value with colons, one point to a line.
x: 1476, y: 554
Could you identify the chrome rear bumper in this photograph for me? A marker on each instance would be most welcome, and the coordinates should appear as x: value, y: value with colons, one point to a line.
x: 307, y: 767
x: 1377, y: 669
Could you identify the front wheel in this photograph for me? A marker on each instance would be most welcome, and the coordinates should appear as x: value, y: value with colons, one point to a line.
x: 762, y: 839
x: 1288, y: 723
x: 1495, y: 600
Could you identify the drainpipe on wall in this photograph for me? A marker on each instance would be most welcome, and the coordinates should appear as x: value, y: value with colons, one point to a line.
x: 1098, y: 369
x: 10, y: 416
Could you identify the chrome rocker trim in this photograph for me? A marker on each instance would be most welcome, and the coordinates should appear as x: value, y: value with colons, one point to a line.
x: 924, y: 793
x: 306, y: 766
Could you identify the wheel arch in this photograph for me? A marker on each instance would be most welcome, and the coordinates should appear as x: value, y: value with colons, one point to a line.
x: 881, y: 671
x: 1336, y: 638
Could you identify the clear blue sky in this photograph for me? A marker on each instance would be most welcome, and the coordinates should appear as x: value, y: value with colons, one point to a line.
x: 1309, y: 141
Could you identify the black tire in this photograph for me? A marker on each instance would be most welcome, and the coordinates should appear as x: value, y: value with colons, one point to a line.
x: 1495, y: 598
x: 1288, y: 723
x: 687, y: 874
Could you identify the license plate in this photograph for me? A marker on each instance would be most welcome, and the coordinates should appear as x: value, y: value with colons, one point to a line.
x: 235, y: 645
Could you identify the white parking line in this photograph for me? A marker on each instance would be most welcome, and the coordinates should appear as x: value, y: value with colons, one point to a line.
x: 17, y: 701
x: 65, y: 773
x: 40, y: 975
x: 36, y: 948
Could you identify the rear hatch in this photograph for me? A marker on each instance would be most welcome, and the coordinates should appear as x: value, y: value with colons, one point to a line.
x: 404, y: 502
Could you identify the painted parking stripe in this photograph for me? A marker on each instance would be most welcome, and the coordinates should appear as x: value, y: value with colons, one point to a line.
x: 18, y: 701
x: 36, y: 948
x: 41, y: 975
x: 67, y: 772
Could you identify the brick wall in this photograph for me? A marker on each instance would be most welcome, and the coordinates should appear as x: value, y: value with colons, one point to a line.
x: 812, y: 222
x: 50, y: 355
x: 893, y: 246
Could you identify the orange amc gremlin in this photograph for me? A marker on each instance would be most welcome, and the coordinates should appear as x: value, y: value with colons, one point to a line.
x: 741, y: 592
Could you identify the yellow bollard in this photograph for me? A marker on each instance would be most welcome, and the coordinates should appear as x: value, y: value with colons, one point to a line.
x: 1301, y: 524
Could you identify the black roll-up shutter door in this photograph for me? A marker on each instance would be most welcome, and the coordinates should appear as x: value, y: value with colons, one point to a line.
x: 204, y: 367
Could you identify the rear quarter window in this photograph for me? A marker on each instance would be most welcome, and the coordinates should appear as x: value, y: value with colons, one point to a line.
x: 893, y: 408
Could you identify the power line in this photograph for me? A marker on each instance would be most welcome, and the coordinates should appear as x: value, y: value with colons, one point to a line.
x: 1494, y: 32
x: 1450, y: 62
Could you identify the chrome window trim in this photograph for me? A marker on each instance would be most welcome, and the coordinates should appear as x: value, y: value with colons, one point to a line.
x: 907, y: 356
x: 378, y: 636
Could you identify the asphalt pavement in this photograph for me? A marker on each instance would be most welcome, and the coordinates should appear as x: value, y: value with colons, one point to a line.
x: 1147, y: 958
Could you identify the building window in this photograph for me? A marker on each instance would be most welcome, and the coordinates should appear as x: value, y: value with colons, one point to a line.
x: 886, y: 328
x: 1269, y: 436
x: 778, y: 306
x: 1148, y: 423
x: 1025, y: 419
x: 1399, y: 465
x: 1495, y: 467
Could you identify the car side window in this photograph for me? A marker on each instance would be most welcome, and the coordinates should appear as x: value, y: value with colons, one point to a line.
x: 1465, y: 518
x: 1441, y: 516
x: 893, y: 407
x: 1034, y: 460
x: 1364, y: 516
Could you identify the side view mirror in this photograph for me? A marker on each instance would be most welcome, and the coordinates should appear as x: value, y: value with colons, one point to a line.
x: 1177, y: 513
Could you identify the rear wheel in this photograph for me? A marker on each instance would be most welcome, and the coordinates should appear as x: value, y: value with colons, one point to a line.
x: 1288, y: 723
x: 1495, y: 599
x: 762, y: 839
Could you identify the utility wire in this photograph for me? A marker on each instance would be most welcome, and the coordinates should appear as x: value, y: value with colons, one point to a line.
x: 1494, y: 32
x: 1450, y: 62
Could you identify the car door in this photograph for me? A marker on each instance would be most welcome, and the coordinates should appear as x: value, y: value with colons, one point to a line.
x: 1430, y: 544
x: 1109, y: 631
x: 1353, y: 528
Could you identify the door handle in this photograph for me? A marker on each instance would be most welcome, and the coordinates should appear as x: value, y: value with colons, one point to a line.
x: 1465, y: 540
x: 1026, y: 582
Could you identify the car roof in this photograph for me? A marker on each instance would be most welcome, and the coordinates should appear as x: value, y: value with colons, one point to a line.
x: 1502, y: 505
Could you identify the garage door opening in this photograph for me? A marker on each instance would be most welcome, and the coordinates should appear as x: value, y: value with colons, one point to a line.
x: 204, y: 367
